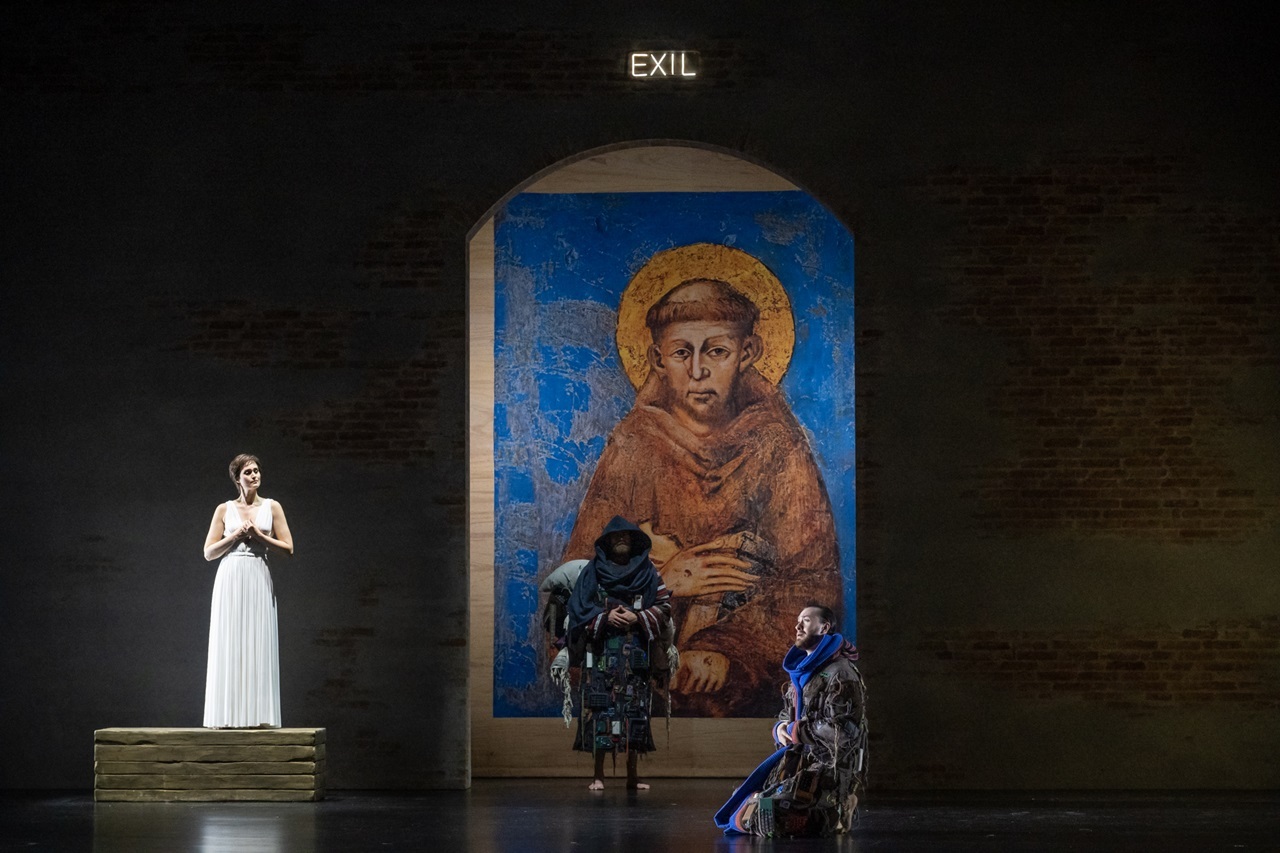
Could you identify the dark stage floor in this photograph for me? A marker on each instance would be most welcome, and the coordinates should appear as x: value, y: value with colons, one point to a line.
x: 512, y: 816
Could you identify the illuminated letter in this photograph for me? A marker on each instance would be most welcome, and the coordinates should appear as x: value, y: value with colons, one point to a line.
x: 637, y: 64
x: 661, y: 58
x: 683, y: 72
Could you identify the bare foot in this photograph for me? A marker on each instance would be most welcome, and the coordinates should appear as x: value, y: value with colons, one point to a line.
x: 596, y: 785
x: 637, y: 785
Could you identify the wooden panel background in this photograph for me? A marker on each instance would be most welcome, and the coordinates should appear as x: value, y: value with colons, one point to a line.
x: 542, y: 746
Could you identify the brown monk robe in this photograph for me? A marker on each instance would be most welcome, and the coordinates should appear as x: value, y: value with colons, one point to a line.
x: 712, y: 464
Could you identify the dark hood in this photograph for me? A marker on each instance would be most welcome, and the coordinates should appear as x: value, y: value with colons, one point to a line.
x: 637, y: 579
x: 640, y: 542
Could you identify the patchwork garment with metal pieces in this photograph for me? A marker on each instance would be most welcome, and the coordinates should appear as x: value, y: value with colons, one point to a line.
x: 617, y: 696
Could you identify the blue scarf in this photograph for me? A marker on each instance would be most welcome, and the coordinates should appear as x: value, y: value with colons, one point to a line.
x: 802, y: 666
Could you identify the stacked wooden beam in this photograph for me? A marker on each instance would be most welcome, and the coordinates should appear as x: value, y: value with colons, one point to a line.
x: 190, y: 765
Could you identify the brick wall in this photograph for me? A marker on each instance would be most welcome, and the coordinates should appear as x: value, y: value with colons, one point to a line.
x: 1125, y: 354
x: 251, y: 334
x: 1132, y: 668
x: 413, y: 53
x: 395, y: 417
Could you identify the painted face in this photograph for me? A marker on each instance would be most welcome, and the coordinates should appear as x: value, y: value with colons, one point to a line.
x: 810, y: 629
x: 250, y: 477
x: 701, y: 362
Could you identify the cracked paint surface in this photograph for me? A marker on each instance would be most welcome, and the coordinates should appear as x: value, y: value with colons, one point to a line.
x: 562, y: 263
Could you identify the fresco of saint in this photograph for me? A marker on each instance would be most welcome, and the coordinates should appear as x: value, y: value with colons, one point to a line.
x: 685, y: 360
x: 713, y: 466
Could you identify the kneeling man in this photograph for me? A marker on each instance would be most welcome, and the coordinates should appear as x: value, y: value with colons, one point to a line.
x: 810, y: 785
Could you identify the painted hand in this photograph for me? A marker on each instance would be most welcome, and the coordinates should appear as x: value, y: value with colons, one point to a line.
x: 710, y: 569
x: 701, y: 672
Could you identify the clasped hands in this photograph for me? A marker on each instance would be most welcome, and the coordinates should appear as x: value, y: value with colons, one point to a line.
x: 247, y: 530
x: 622, y: 617
x: 699, y: 672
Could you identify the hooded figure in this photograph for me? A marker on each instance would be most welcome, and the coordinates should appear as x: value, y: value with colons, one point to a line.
x: 619, y: 624
x: 620, y: 574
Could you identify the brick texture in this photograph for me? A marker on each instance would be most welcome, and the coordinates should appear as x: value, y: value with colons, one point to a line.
x: 386, y: 56
x: 394, y: 418
x: 1119, y: 382
x: 1233, y: 662
x: 249, y: 334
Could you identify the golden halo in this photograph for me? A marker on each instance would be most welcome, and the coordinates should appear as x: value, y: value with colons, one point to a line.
x: 669, y: 268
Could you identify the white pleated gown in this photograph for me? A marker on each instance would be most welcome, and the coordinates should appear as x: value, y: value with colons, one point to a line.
x: 242, y: 688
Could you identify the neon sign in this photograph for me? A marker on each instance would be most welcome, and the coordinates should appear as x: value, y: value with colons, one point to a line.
x: 670, y: 63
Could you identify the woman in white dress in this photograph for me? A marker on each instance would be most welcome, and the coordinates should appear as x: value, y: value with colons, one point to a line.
x: 242, y: 689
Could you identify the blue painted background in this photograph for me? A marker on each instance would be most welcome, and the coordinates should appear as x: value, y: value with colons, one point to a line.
x: 561, y: 265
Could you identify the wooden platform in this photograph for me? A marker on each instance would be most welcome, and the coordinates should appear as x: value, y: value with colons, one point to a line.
x: 203, y: 765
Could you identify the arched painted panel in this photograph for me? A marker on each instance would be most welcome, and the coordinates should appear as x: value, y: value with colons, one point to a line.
x: 559, y: 364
